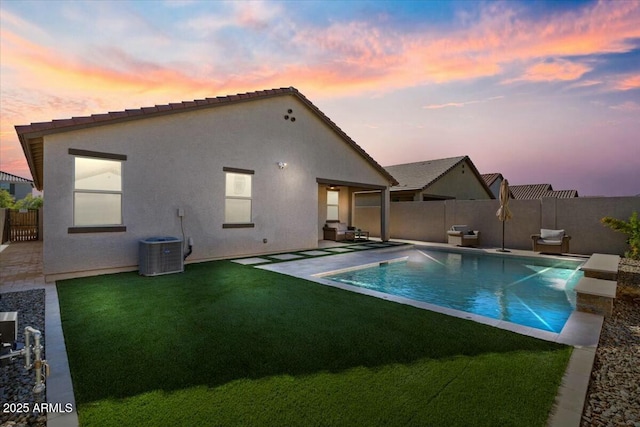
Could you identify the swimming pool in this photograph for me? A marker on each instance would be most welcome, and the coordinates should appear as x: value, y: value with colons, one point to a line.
x: 534, y: 292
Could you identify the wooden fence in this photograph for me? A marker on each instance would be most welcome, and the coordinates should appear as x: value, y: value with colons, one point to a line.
x: 23, y: 225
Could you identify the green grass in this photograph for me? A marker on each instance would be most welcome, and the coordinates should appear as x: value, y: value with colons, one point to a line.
x: 225, y: 344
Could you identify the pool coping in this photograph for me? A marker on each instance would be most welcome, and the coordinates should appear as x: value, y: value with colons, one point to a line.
x: 581, y: 331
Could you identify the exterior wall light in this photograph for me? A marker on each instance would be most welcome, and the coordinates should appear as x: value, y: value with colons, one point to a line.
x: 282, y: 165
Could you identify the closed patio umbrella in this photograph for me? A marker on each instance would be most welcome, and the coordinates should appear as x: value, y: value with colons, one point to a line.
x: 504, y: 213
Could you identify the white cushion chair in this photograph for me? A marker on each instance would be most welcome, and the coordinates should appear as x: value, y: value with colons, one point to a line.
x: 551, y: 241
x: 335, y: 231
x: 463, y: 235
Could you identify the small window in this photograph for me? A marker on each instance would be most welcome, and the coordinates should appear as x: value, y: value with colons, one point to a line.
x: 97, y: 196
x: 333, y: 197
x: 238, y: 190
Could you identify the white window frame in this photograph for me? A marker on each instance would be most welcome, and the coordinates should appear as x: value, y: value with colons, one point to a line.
x: 235, y: 171
x: 107, y: 157
x: 336, y: 205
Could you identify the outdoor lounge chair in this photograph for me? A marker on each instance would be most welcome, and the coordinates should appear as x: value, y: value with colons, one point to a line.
x: 551, y: 241
x: 335, y: 231
x: 463, y: 235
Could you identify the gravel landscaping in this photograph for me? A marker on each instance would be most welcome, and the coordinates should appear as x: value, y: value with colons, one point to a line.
x: 16, y: 383
x: 613, y: 398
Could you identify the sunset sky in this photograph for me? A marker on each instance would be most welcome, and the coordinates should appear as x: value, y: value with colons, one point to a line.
x: 542, y: 92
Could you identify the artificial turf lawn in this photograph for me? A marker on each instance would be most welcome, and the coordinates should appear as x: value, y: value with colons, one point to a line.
x: 226, y: 344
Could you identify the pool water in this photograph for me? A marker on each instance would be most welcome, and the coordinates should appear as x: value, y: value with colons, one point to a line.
x: 529, y: 291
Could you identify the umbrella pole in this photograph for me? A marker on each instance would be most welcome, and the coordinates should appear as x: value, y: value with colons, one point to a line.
x: 503, y: 249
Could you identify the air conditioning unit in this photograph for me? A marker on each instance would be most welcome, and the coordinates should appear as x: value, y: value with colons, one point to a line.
x: 8, y: 327
x: 160, y: 255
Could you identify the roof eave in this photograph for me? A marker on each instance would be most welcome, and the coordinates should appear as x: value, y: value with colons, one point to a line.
x: 27, y: 133
x: 36, y: 172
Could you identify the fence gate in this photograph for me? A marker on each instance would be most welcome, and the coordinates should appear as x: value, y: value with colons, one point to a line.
x: 23, y: 225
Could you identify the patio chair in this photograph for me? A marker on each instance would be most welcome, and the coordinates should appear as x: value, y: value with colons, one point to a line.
x: 463, y: 235
x: 335, y: 231
x: 551, y: 241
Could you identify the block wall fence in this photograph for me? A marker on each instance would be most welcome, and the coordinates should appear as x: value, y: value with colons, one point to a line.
x: 579, y: 217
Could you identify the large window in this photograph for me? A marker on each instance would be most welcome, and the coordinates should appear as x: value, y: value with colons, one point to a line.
x: 238, y: 189
x: 97, y: 194
x: 333, y: 197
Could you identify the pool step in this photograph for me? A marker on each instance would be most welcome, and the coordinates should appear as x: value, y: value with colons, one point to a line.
x: 601, y: 266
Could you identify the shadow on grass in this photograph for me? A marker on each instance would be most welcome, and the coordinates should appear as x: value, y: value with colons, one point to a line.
x: 219, y: 322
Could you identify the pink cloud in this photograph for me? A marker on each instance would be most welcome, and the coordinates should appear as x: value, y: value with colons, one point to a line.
x: 628, y: 82
x: 553, y: 71
x: 352, y: 57
x: 460, y: 104
x: 629, y: 106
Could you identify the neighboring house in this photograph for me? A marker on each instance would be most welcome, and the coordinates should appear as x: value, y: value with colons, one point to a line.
x: 18, y: 187
x: 539, y: 191
x: 493, y: 181
x: 242, y: 175
x: 450, y: 178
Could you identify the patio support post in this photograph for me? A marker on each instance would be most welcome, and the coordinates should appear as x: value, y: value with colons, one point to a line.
x: 384, y: 214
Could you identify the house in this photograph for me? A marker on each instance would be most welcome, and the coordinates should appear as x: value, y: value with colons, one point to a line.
x: 493, y: 181
x: 242, y: 175
x: 440, y: 179
x: 539, y: 191
x: 17, y: 186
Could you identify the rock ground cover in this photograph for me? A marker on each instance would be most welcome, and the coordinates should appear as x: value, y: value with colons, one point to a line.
x: 613, y: 398
x: 16, y: 383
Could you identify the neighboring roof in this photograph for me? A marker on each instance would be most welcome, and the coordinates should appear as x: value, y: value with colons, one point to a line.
x: 530, y: 191
x: 420, y: 175
x: 490, y: 178
x: 562, y: 194
x: 31, y: 136
x: 7, y: 177
x: 538, y: 191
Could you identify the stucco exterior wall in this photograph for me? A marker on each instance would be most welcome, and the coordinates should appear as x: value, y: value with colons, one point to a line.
x: 580, y: 217
x: 461, y: 183
x: 19, y: 190
x: 176, y: 161
x: 495, y: 187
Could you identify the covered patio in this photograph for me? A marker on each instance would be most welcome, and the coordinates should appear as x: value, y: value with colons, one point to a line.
x: 336, y: 204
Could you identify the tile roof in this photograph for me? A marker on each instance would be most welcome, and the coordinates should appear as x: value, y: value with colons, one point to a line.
x: 7, y: 177
x: 562, y: 194
x: 420, y: 175
x: 490, y: 178
x: 31, y: 135
x: 529, y: 191
x: 538, y: 191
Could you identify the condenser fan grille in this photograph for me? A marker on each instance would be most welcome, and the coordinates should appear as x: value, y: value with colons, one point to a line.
x: 160, y: 255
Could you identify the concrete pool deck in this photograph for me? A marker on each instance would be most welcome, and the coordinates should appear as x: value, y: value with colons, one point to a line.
x: 582, y: 330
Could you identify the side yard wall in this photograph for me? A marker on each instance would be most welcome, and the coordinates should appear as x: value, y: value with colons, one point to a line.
x: 580, y: 217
